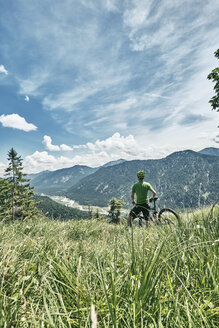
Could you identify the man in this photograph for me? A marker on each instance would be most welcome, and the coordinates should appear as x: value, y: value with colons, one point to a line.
x: 141, y: 189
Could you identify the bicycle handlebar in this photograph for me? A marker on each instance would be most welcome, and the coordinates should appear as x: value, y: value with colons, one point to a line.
x: 153, y: 199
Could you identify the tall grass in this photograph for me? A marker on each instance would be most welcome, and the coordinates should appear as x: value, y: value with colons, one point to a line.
x: 75, y: 274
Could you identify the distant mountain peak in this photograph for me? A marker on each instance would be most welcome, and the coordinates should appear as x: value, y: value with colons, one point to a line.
x: 210, y: 151
x: 111, y: 163
x: 181, y: 152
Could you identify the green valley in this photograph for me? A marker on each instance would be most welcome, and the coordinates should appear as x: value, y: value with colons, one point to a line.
x: 58, y: 211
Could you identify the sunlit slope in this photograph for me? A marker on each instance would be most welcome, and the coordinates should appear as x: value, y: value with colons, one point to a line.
x: 182, y: 180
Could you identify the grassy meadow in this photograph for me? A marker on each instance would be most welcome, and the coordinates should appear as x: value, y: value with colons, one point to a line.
x: 95, y: 274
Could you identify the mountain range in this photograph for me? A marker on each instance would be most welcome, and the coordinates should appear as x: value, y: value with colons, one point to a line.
x: 183, y: 179
x: 57, y: 182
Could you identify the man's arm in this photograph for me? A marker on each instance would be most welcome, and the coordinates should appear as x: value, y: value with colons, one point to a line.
x: 133, y: 198
x: 154, y: 193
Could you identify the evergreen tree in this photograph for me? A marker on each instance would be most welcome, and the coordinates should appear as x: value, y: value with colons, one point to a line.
x: 97, y: 214
x: 115, y: 207
x: 5, y: 199
x: 90, y: 211
x: 17, y: 189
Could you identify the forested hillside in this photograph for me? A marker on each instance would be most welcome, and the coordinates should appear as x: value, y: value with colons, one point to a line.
x: 55, y: 210
x: 182, y: 180
x: 210, y: 151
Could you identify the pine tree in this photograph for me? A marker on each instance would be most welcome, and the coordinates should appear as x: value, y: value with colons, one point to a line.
x: 97, y: 214
x: 21, y: 193
x: 5, y: 199
x: 90, y: 211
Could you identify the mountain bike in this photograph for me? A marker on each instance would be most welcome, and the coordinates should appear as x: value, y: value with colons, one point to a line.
x: 159, y: 216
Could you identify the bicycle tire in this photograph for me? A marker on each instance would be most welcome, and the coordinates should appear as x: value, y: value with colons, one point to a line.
x: 168, y: 216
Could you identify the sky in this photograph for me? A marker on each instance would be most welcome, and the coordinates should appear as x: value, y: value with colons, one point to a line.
x: 91, y: 81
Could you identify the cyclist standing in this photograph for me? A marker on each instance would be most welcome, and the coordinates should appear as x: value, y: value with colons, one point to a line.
x: 141, y: 189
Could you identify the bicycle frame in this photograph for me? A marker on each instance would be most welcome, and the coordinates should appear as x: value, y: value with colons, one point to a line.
x: 165, y: 215
x: 153, y: 213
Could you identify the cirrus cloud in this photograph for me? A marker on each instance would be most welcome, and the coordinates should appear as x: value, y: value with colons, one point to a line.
x: 15, y: 121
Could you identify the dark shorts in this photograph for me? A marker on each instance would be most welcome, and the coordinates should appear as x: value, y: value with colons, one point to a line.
x: 144, y: 208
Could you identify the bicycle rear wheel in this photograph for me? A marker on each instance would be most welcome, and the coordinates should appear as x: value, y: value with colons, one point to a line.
x: 168, y: 216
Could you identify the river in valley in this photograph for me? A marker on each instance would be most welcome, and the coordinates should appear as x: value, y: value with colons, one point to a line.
x: 72, y: 203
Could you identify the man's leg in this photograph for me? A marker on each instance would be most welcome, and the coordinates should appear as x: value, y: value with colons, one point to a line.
x: 146, y: 212
x: 132, y: 215
x: 130, y: 219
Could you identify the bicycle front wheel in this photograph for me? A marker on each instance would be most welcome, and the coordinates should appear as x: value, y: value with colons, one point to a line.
x: 168, y: 216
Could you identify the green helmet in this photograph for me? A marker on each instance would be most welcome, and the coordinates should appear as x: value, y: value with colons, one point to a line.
x: 141, y: 174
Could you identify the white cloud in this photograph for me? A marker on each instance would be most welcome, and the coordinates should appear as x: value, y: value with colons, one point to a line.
x: 110, y: 5
x: 33, y: 83
x: 68, y: 100
x: 27, y: 99
x: 15, y: 121
x: 118, y: 146
x: 102, y: 151
x: 155, y: 95
x: 136, y: 16
x: 71, y: 99
x: 91, y: 154
x: 3, y: 70
x: 47, y: 142
x: 40, y: 161
x: 73, y: 52
x: 65, y: 147
x: 130, y: 112
x: 87, y: 69
x: 179, y: 42
x: 114, y: 143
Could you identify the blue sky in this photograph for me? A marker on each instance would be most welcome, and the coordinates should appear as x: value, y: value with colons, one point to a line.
x: 89, y: 81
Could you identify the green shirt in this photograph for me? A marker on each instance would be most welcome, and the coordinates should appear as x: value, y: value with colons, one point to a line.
x: 141, y: 189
